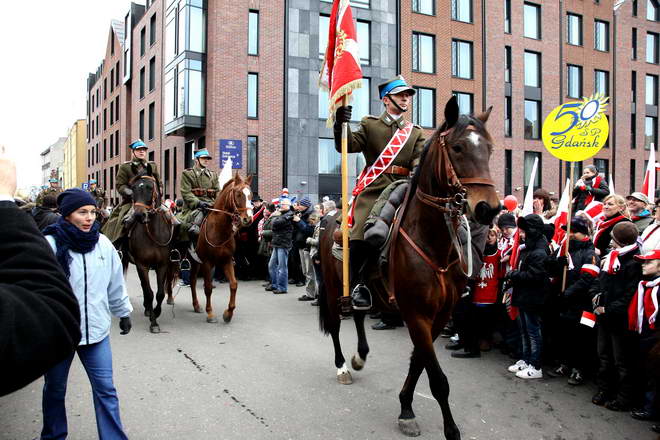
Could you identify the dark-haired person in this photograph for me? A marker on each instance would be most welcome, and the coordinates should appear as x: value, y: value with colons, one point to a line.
x: 92, y: 265
x: 46, y: 213
x: 39, y: 316
x: 590, y: 187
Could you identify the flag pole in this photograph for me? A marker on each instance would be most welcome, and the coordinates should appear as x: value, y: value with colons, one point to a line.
x: 344, y: 212
x: 568, y: 226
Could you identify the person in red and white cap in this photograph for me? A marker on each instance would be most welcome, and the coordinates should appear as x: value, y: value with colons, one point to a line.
x: 651, y: 236
x: 642, y: 313
x: 619, y: 275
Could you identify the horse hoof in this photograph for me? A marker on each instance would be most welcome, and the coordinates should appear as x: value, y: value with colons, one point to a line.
x: 154, y: 329
x: 357, y: 362
x: 170, y: 301
x: 345, y: 378
x: 409, y: 427
x: 197, y: 309
x: 211, y: 319
x: 147, y: 313
x: 226, y: 316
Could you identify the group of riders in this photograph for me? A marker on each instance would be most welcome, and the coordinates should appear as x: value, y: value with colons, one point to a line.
x: 390, y: 140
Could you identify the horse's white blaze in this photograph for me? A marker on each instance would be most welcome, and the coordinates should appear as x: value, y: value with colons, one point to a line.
x: 248, y: 202
x: 474, y: 138
x: 342, y: 370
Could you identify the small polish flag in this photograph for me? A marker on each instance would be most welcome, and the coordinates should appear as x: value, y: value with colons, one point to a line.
x: 588, y: 319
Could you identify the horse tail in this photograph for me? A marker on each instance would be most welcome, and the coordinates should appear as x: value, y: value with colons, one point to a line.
x: 324, y: 310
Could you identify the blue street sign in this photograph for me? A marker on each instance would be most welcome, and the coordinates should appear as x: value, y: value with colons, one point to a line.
x: 231, y: 148
x: 85, y: 186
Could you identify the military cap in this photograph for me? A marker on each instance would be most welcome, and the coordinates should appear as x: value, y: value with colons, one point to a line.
x: 394, y: 86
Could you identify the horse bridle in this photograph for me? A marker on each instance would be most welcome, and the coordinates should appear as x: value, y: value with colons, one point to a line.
x: 234, y: 212
x: 151, y: 209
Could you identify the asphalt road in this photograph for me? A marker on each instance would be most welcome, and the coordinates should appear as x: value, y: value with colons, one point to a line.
x: 269, y: 374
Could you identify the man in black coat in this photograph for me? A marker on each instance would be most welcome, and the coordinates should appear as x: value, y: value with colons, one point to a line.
x: 46, y: 214
x: 39, y: 316
x: 282, y: 227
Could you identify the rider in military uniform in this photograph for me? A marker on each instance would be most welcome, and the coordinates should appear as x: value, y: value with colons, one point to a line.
x: 199, y: 187
x: 370, y: 139
x: 121, y: 218
x: 97, y: 193
x: 54, y: 189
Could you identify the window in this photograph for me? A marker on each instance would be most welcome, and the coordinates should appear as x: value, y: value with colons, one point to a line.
x: 117, y: 73
x: 633, y: 131
x: 601, y: 35
x: 105, y: 150
x: 252, y: 155
x: 117, y: 108
x: 634, y: 43
x: 530, y: 157
x: 423, y: 53
x: 329, y: 159
x: 364, y: 41
x: 112, y: 80
x: 360, y: 101
x: 112, y: 112
x: 424, y: 6
x: 461, y: 59
x: 142, y: 74
x: 507, y: 16
x: 507, y: 116
x: 152, y: 74
x: 633, y: 181
x: 532, y: 21
x: 651, y: 48
x: 652, y: 10
x: 508, y: 171
x: 253, y: 95
x: 183, y: 90
x: 634, y: 8
x: 532, y: 119
x: 152, y: 30
x: 355, y: 3
x: 651, y: 90
x: 574, y: 34
x: 185, y: 29
x: 253, y: 33
x: 650, y: 132
x: 143, y: 37
x: 141, y: 125
x: 461, y: 10
x: 105, y: 88
x: 602, y: 82
x: 465, y: 102
x: 117, y: 143
x: 532, y: 69
x: 603, y: 166
x: 105, y: 115
x: 424, y: 107
x: 574, y: 81
x: 577, y: 169
x: 152, y: 120
x: 507, y: 64
x: 324, y: 26
x: 112, y: 145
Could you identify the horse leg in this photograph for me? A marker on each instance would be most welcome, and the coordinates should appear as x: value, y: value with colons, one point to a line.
x: 360, y: 358
x: 161, y: 279
x: 233, y: 286
x: 194, y: 269
x: 169, y: 283
x: 407, y: 423
x: 208, y: 290
x: 147, y: 293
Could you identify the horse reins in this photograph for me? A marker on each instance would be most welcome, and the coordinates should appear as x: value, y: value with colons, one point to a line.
x: 235, y: 216
x: 151, y: 209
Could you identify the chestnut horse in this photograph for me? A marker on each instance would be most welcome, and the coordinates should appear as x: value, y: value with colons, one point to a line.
x: 149, y: 245
x: 453, y: 179
x: 216, y: 243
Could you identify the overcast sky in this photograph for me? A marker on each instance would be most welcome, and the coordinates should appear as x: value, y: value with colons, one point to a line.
x: 48, y: 48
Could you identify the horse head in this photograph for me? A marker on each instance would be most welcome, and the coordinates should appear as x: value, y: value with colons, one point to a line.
x: 237, y: 196
x: 461, y: 149
x: 146, y: 196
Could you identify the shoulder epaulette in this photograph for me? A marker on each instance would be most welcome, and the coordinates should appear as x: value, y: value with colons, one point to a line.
x: 417, y: 126
x: 371, y: 117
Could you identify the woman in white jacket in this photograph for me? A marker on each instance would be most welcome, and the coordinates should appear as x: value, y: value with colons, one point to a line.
x: 94, y: 270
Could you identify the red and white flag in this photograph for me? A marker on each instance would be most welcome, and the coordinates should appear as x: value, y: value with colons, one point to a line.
x: 527, y: 209
x: 341, y: 72
x: 594, y: 211
x: 561, y: 218
x: 648, y: 188
x: 588, y: 319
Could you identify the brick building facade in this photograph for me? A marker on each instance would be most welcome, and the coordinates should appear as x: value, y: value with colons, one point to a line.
x: 206, y: 72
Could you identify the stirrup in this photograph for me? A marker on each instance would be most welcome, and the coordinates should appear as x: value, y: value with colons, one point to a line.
x: 185, y: 264
x: 361, y: 291
x: 175, y: 256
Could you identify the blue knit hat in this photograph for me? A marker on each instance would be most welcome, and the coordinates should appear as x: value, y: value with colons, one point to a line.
x: 305, y: 202
x: 72, y: 199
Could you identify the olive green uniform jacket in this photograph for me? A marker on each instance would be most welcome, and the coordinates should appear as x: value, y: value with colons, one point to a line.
x: 99, y: 196
x: 371, y: 139
x: 113, y: 228
x: 43, y: 193
x: 196, y: 178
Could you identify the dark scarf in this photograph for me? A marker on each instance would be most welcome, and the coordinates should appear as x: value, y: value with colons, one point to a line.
x: 69, y: 238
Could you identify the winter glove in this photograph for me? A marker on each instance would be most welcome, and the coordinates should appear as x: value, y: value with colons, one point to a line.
x: 562, y: 261
x: 203, y: 205
x: 125, y: 325
x: 343, y: 114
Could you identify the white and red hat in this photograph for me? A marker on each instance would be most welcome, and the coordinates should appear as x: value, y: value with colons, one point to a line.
x: 652, y: 255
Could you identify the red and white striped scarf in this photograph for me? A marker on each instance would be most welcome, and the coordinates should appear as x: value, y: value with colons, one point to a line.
x: 612, y: 264
x: 641, y: 301
x: 652, y: 229
x: 604, y: 225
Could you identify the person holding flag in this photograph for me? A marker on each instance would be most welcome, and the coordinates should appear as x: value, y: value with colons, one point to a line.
x: 591, y: 186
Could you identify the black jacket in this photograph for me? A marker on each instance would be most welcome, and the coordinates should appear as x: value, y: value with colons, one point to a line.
x: 44, y: 217
x: 39, y: 316
x: 577, y: 296
x: 282, y: 226
x: 605, y: 237
x: 530, y: 281
x: 580, y: 195
x: 617, y: 290
x: 303, y: 229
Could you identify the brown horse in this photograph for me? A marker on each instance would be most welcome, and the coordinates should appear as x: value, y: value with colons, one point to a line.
x: 149, y: 245
x: 453, y: 178
x: 216, y: 243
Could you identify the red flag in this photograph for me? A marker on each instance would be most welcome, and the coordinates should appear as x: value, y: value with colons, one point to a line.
x: 562, y: 216
x: 341, y: 72
x: 648, y: 188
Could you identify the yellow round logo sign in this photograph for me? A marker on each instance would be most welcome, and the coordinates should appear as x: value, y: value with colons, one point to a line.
x: 577, y: 130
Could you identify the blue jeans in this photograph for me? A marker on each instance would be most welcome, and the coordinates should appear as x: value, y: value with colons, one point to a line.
x: 279, y: 269
x: 97, y: 360
x: 530, y: 334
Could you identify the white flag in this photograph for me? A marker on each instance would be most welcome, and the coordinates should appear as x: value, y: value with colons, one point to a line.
x: 225, y: 173
x: 618, y: 4
x: 528, y: 204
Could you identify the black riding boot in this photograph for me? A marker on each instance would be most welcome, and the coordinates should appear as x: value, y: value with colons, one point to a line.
x: 360, y: 252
